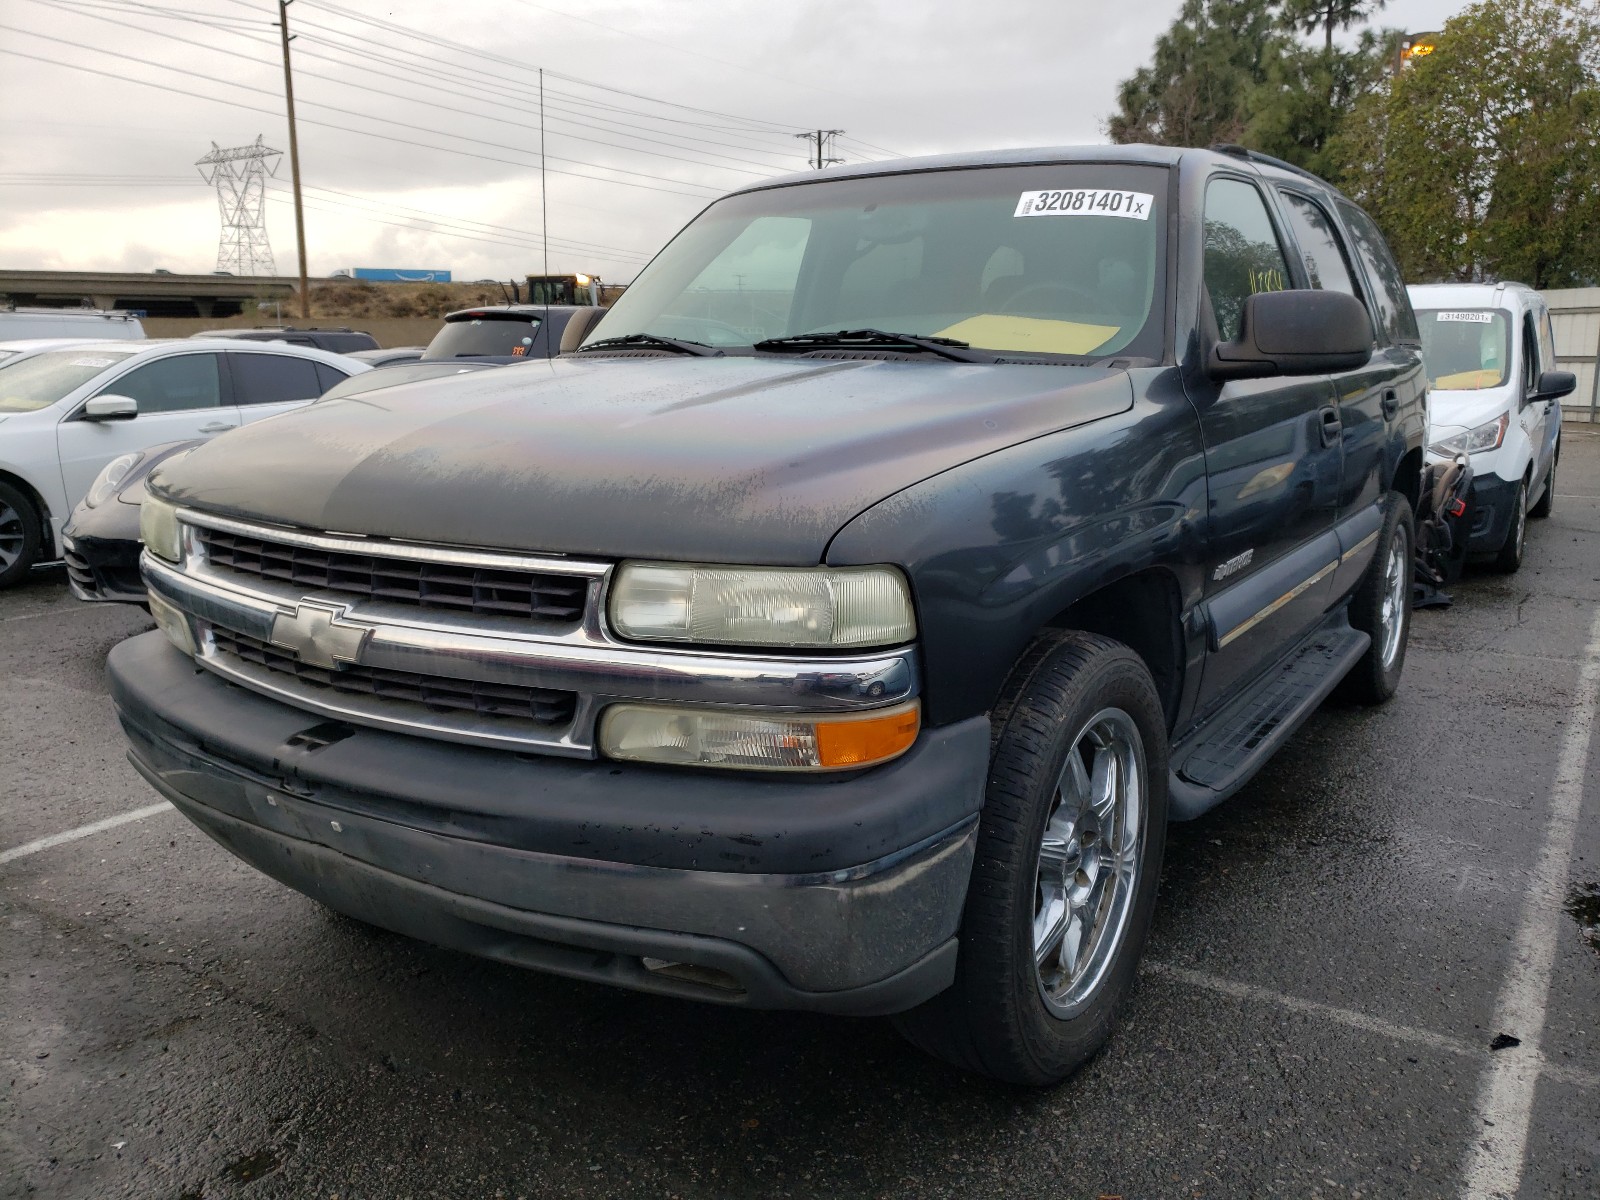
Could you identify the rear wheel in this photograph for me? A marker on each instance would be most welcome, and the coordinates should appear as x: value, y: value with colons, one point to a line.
x: 1509, y: 560
x: 1069, y: 855
x: 20, y: 535
x: 1381, y: 609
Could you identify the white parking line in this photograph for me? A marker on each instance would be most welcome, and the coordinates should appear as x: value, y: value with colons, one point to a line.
x: 82, y: 831
x: 1315, y: 1008
x: 1364, y: 1022
x: 1505, y: 1098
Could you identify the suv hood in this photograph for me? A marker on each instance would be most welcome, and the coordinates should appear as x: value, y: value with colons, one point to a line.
x: 744, y: 460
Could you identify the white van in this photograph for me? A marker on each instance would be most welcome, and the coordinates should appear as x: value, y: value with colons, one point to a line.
x: 88, y: 324
x: 1494, y: 395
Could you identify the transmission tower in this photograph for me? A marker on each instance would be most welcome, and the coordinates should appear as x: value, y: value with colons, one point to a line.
x: 240, y: 176
x: 822, y: 140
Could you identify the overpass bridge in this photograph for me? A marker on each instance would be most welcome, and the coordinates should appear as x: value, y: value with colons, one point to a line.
x: 156, y: 293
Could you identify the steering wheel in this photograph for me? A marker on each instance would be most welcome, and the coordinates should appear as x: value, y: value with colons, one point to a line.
x: 1091, y: 302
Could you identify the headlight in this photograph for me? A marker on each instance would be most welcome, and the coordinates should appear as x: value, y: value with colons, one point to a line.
x: 158, y: 528
x: 1487, y: 436
x: 762, y: 606
x: 757, y: 741
x: 112, y: 474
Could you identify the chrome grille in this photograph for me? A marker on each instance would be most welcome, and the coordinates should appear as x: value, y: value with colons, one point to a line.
x: 481, y: 590
x: 432, y: 693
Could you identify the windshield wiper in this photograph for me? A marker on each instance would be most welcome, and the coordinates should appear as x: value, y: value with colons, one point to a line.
x: 651, y: 341
x: 849, y: 339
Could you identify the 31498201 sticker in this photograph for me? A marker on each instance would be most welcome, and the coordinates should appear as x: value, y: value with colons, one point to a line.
x: 1469, y: 316
x: 1084, y: 202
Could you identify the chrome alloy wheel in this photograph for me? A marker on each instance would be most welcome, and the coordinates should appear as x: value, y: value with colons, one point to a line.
x: 13, y: 535
x: 1396, y: 577
x: 1089, y: 861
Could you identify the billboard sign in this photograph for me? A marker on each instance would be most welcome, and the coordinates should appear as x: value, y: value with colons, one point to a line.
x: 392, y: 275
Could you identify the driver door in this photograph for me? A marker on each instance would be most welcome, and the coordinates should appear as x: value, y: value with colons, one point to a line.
x: 180, y: 396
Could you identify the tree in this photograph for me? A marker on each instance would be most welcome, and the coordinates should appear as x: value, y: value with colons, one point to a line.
x: 1482, y: 160
x: 1328, y: 15
x: 1297, y: 111
x: 1195, y: 91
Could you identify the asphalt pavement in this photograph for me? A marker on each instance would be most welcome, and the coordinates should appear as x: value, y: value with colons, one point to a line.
x: 1337, y: 953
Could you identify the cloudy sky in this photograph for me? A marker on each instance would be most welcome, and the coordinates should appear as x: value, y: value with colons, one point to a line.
x: 419, y: 120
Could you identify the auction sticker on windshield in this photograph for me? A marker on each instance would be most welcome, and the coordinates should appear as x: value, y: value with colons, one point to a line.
x: 1471, y: 318
x: 1084, y: 202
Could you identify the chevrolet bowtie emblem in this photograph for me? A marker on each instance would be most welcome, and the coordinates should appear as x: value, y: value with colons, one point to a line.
x: 318, y: 634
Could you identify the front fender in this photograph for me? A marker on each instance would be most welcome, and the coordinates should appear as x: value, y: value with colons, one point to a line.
x: 998, y: 547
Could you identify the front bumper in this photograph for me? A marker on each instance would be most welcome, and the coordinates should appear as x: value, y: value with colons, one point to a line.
x: 1490, y: 507
x: 102, y: 569
x: 841, y: 895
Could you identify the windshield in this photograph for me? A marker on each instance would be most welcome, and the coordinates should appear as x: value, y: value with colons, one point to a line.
x: 38, y: 382
x: 1465, y: 349
x: 383, y: 377
x: 468, y: 336
x: 1064, y: 259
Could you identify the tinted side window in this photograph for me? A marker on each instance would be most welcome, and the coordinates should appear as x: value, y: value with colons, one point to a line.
x: 1320, y: 245
x: 1530, y: 355
x: 273, y: 378
x: 1389, y: 289
x: 1242, y: 252
x: 177, y: 384
x: 327, y: 377
x: 1547, y: 342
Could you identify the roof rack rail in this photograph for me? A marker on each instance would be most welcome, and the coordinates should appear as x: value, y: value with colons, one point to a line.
x: 1265, y: 159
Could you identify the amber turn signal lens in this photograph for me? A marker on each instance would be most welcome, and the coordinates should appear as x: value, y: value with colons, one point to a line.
x: 759, y: 741
x: 867, y: 739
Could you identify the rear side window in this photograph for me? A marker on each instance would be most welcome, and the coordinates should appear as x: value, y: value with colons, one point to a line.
x: 327, y: 377
x: 1243, y: 256
x: 177, y: 384
x: 1389, y: 289
x: 1320, y: 245
x: 273, y: 378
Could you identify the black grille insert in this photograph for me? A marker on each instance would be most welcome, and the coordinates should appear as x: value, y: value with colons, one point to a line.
x: 484, y: 591
x: 436, y: 693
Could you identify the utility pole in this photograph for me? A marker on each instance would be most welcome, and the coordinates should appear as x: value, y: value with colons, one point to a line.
x: 819, y: 139
x: 544, y: 205
x: 294, y: 159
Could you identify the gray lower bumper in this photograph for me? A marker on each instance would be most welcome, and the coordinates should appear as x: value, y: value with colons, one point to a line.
x: 872, y: 939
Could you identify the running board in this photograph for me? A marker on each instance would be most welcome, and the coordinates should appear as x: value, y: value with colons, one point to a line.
x: 1219, y: 758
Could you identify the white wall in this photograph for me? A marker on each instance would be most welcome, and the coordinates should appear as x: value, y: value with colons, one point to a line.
x: 1575, y: 313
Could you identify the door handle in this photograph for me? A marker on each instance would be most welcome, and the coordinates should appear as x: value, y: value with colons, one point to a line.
x: 1391, y: 403
x: 216, y: 427
x: 1331, y: 428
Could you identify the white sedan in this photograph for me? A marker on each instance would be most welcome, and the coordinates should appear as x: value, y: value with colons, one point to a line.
x: 67, y: 411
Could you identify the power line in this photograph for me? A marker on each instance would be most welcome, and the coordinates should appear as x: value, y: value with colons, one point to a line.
x: 410, y: 32
x: 346, y: 129
x: 413, y: 99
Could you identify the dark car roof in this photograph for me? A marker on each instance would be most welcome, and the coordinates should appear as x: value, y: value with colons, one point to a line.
x: 1135, y: 154
x: 514, y: 311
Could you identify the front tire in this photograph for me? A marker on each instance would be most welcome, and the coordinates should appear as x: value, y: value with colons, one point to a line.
x: 1547, y: 502
x: 1381, y: 609
x: 21, y: 535
x: 1509, y: 560
x: 1068, y: 860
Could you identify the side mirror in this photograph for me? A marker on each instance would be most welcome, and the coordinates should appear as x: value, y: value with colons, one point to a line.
x: 109, y: 407
x: 1553, y: 385
x: 1295, y: 333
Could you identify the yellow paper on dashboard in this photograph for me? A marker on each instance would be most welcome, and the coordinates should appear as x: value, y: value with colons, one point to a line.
x: 993, y: 331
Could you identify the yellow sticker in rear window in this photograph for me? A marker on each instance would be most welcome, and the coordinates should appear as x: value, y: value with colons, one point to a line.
x: 996, y: 331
